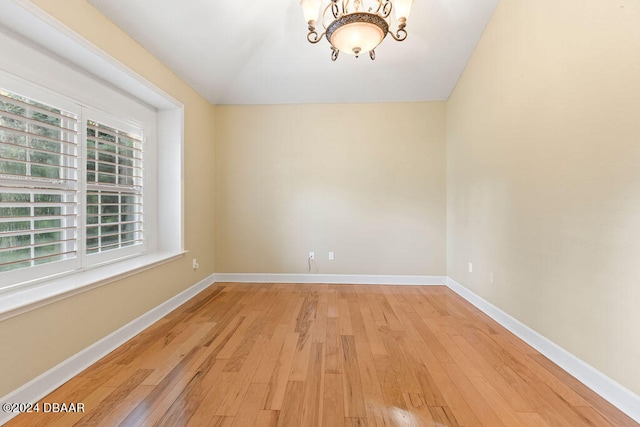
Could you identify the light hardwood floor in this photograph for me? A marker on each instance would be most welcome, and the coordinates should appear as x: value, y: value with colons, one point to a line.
x: 330, y: 355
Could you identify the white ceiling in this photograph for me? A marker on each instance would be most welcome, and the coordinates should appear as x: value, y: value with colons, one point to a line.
x: 256, y: 52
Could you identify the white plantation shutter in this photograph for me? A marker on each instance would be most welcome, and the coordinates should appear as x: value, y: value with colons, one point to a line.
x: 38, y: 183
x: 114, y: 188
x: 71, y: 186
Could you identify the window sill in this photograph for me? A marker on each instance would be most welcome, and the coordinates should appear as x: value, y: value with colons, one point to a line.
x: 30, y: 297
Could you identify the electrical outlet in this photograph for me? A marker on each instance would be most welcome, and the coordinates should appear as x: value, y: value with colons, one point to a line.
x: 491, y: 277
x: 330, y: 256
x: 195, y: 264
x: 470, y: 268
x: 312, y: 255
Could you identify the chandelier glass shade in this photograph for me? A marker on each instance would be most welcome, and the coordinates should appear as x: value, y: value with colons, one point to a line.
x: 355, y: 26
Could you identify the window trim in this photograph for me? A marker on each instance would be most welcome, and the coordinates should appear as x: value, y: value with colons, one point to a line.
x: 27, y: 32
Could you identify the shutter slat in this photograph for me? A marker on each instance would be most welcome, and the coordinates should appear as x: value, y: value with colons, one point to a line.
x: 36, y: 108
x: 34, y: 231
x: 35, y: 245
x: 40, y: 150
x: 34, y: 121
x: 26, y: 162
x: 20, y: 261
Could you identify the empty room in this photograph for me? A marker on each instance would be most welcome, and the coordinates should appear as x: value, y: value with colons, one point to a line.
x: 320, y: 212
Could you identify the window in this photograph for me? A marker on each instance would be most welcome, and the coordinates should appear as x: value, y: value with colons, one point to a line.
x: 48, y: 214
x: 82, y: 142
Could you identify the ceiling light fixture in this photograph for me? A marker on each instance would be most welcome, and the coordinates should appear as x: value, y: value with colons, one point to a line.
x: 355, y: 26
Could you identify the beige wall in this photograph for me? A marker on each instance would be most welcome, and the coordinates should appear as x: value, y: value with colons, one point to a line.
x: 544, y: 175
x: 366, y: 181
x: 36, y: 341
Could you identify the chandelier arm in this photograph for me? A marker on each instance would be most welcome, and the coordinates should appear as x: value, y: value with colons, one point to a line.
x: 386, y: 9
x: 379, y: 7
x: 400, y: 35
x: 335, y: 10
x: 334, y: 53
x: 313, y: 36
x: 324, y: 14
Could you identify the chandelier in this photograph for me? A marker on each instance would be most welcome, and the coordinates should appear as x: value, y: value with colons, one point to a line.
x: 356, y: 26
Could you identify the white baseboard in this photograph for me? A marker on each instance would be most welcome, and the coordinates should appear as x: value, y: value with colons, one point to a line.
x: 45, y: 383
x: 619, y: 396
x: 347, y: 279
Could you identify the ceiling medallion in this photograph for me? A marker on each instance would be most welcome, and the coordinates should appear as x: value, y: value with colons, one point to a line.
x: 355, y: 26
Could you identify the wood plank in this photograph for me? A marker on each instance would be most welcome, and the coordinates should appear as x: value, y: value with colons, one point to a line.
x: 391, y: 320
x: 566, y: 413
x: 532, y: 419
x: 249, y: 341
x: 497, y: 402
x: 301, y: 357
x: 353, y: 393
x: 400, y: 365
x: 280, y: 375
x: 344, y: 318
x: 312, y: 407
x: 418, y: 413
x: 91, y: 402
x: 333, y: 400
x: 124, y: 407
x: 428, y: 387
x: 472, y: 396
x: 267, y: 418
x: 248, y: 322
x: 357, y: 324
x: 151, y: 409
x: 233, y: 395
x: 398, y: 304
x: 333, y: 349
x: 192, y: 396
x: 443, y: 416
x: 271, y: 355
x: 332, y: 303
x: 373, y: 337
x: 248, y: 412
x: 391, y: 390
x: 162, y: 363
x: 428, y: 337
x: 590, y: 398
x: 291, y: 413
x: 502, y: 386
x: 320, y: 324
x: 355, y: 422
x: 376, y: 309
x: 456, y: 407
x: 114, y: 399
x: 371, y: 389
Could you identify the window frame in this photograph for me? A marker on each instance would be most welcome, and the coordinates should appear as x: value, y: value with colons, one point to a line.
x: 84, y: 114
x: 149, y: 186
x: 40, y: 49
